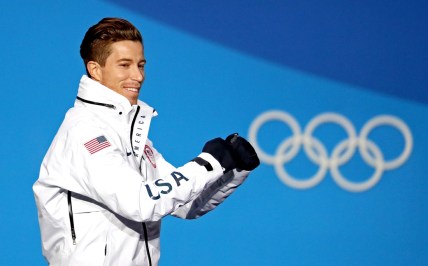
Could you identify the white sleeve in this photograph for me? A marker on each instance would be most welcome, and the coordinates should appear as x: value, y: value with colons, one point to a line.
x: 212, y: 196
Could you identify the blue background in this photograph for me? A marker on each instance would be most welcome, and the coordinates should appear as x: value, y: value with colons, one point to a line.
x: 213, y: 67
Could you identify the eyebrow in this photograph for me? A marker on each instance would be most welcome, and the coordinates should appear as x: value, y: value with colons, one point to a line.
x: 130, y: 60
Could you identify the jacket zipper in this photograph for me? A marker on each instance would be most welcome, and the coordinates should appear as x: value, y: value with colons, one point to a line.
x: 147, y: 243
x: 96, y: 103
x: 70, y: 214
x: 146, y: 240
x: 132, y: 129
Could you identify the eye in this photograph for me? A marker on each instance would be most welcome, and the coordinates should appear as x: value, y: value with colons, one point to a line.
x: 125, y: 65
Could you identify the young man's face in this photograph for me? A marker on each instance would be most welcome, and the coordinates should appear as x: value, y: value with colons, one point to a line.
x: 123, y: 71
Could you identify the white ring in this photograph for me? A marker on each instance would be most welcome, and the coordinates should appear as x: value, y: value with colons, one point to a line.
x: 330, y: 118
x: 394, y: 122
x: 358, y: 186
x: 298, y: 183
x: 271, y: 116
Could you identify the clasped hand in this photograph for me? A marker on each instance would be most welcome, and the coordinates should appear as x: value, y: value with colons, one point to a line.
x: 233, y: 152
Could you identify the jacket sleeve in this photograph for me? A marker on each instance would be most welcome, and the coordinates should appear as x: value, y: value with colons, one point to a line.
x: 213, y: 195
x: 107, y: 177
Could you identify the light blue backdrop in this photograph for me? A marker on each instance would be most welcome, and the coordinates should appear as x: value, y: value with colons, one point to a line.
x: 204, y: 88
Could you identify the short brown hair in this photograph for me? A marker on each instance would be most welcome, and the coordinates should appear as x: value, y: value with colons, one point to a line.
x: 96, y: 43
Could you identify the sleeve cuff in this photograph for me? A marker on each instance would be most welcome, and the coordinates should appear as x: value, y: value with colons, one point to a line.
x: 203, y: 163
x: 216, y: 167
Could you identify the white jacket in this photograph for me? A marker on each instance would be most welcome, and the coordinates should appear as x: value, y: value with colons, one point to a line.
x: 119, y: 185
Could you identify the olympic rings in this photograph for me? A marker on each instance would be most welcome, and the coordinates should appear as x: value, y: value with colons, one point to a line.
x: 341, y: 154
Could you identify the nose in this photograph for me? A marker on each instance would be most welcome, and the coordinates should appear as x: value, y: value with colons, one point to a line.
x: 138, y: 74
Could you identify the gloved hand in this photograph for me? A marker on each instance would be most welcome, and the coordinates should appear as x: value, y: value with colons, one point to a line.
x: 222, y: 152
x: 234, y: 152
x: 243, y: 153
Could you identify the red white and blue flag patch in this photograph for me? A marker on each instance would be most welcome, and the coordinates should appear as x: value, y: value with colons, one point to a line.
x: 97, y: 144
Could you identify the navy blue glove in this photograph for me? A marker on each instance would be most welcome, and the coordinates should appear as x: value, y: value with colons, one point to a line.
x: 234, y: 152
x: 243, y: 153
x: 222, y: 152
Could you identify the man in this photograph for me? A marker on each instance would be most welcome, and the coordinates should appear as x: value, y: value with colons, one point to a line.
x: 103, y: 188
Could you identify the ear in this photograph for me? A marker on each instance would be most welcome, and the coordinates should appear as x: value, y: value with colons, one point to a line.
x: 94, y: 70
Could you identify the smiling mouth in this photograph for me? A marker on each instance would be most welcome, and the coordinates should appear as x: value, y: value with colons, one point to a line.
x: 132, y: 89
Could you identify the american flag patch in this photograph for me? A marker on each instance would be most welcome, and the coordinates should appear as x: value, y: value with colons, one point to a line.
x: 97, y: 144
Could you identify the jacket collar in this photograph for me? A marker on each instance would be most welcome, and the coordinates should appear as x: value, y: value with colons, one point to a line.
x: 94, y: 92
